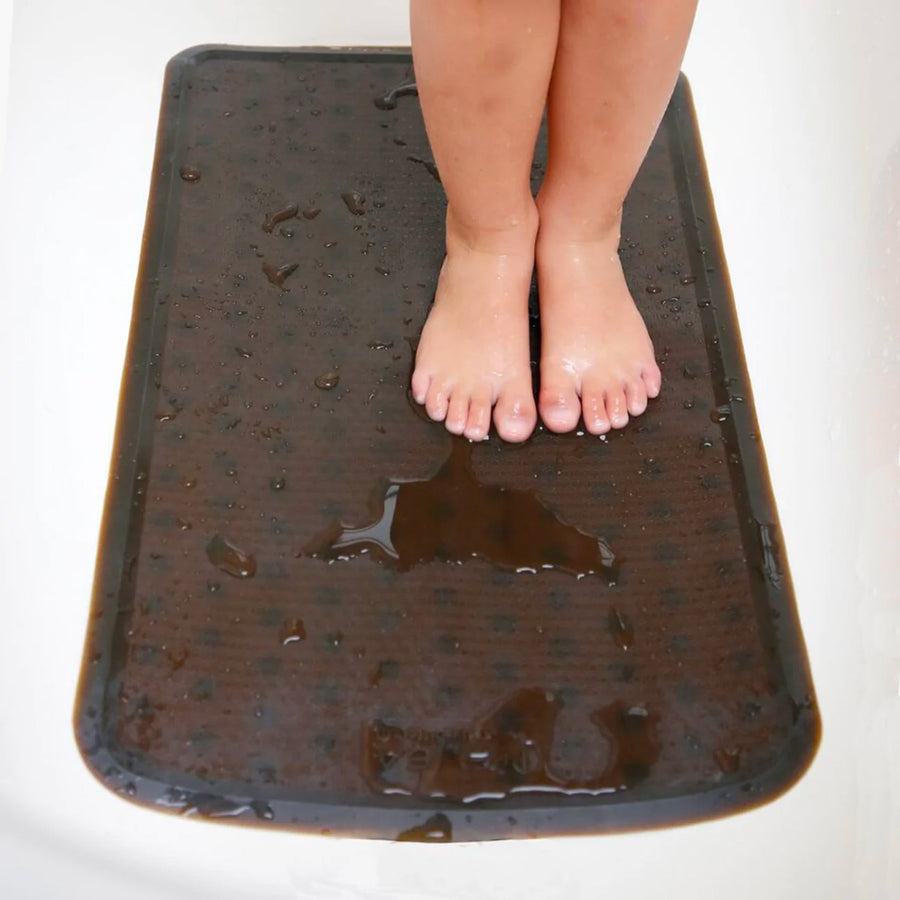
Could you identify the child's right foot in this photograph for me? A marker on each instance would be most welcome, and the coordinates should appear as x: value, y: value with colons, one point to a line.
x: 473, y: 355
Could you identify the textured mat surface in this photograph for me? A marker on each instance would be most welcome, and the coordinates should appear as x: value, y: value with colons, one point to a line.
x: 313, y: 608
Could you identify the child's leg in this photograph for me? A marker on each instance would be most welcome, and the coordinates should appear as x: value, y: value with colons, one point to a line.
x: 615, y: 69
x: 483, y: 69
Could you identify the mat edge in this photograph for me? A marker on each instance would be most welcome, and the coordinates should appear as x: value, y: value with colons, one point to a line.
x: 760, y: 495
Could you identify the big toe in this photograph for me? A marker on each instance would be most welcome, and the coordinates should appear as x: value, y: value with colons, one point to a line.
x: 514, y: 414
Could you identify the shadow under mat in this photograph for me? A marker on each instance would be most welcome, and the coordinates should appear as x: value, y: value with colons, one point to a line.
x: 316, y: 609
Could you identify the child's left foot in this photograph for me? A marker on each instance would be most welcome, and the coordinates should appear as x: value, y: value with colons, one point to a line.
x: 597, y: 359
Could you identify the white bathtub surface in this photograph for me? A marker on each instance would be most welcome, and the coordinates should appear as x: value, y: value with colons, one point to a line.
x: 799, y: 114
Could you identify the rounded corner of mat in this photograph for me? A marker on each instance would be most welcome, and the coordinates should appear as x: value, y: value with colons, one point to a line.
x: 95, y: 752
x: 196, y: 54
x: 793, y: 760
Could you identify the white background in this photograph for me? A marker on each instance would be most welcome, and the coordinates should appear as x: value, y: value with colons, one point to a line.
x: 800, y: 118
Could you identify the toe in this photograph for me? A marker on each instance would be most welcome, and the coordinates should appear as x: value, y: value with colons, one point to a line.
x: 616, y: 406
x: 635, y: 396
x: 457, y: 412
x: 514, y: 414
x: 652, y: 378
x: 436, y: 401
x: 419, y: 385
x: 593, y: 407
x: 559, y: 405
x: 479, y: 421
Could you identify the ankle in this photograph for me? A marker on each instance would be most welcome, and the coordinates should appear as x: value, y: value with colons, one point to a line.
x: 508, y: 232
x: 574, y: 220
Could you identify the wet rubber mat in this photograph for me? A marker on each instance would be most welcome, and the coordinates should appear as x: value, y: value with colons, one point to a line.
x: 316, y: 609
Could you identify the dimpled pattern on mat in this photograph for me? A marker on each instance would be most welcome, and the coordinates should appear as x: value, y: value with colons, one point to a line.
x: 643, y: 667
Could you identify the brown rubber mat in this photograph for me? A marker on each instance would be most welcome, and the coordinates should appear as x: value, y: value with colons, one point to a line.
x: 316, y: 609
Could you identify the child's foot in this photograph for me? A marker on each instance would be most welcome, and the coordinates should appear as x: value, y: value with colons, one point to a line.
x: 473, y: 355
x: 596, y: 356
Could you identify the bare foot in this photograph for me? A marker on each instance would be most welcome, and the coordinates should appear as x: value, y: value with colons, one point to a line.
x: 473, y: 355
x: 596, y: 356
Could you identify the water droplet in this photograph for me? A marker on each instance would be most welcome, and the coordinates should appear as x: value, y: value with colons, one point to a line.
x: 282, y: 215
x: 687, y: 279
x: 621, y: 629
x: 262, y: 810
x: 430, y: 167
x: 330, y: 244
x: 210, y: 806
x: 230, y: 558
x: 703, y: 303
x: 720, y: 414
x: 728, y: 759
x: 386, y: 668
x: 183, y: 524
x: 389, y: 100
x: 278, y: 483
x: 311, y: 212
x: 328, y: 381
x: 189, y: 174
x: 437, y: 829
x: 380, y: 345
x: 653, y: 289
x: 381, y: 270
x: 246, y: 354
x: 189, y: 482
x: 355, y: 202
x: 770, y: 563
x: 284, y: 231
x: 277, y: 275
x: 650, y: 465
x: 292, y: 632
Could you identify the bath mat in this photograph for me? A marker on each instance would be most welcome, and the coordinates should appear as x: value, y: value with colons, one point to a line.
x: 316, y: 609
